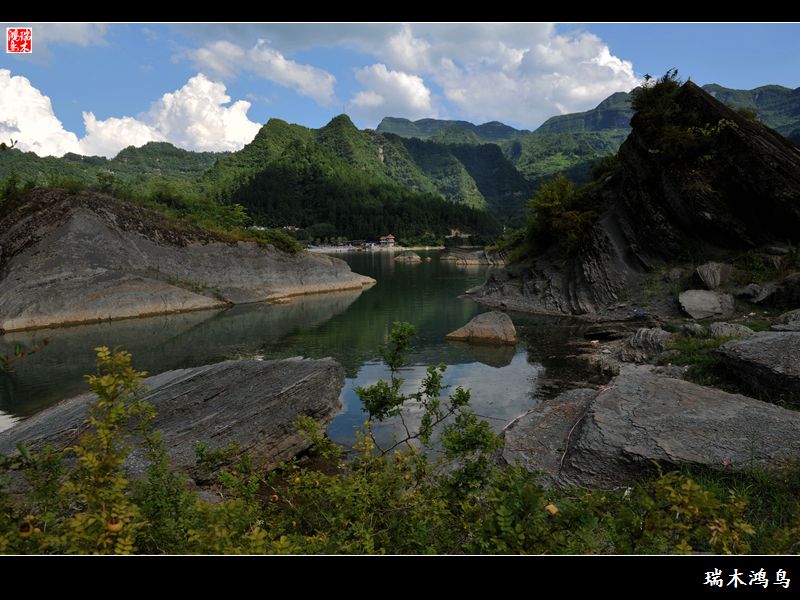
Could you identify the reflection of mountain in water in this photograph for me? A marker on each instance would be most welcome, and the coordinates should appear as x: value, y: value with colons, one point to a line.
x: 157, y: 343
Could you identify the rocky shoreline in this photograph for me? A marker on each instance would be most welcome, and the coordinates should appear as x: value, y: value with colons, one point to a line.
x: 69, y: 259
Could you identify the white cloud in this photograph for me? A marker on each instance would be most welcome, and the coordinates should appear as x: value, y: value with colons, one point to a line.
x: 194, y: 117
x: 108, y: 137
x: 391, y: 93
x: 81, y: 34
x: 27, y: 115
x: 226, y: 59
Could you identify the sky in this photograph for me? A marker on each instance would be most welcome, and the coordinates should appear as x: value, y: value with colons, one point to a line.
x: 94, y: 89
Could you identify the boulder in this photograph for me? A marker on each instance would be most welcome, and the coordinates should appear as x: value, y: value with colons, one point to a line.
x: 713, y: 274
x: 747, y: 292
x: 766, y: 364
x: 782, y: 293
x: 409, y: 257
x: 693, y: 329
x: 788, y: 321
x: 488, y: 328
x: 616, y: 330
x: 610, y: 437
x: 644, y: 345
x: 250, y: 403
x: 722, y: 329
x: 704, y: 304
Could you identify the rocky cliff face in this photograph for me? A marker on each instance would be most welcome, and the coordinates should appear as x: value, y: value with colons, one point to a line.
x: 742, y: 194
x: 78, y: 258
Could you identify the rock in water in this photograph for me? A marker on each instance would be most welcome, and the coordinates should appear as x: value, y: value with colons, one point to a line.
x: 610, y: 437
x: 410, y: 257
x: 714, y: 274
x: 704, y: 304
x: 250, y: 403
x: 488, y: 328
x: 88, y: 257
x: 767, y: 364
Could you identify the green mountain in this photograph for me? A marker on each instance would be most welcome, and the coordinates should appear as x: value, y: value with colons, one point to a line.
x: 359, y: 183
x: 424, y: 129
x: 153, y: 159
x: 776, y: 106
x: 613, y: 113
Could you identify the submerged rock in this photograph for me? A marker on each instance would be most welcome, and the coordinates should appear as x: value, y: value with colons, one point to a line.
x: 766, y: 364
x: 704, y: 304
x: 610, y: 437
x: 249, y: 403
x: 488, y: 328
x: 410, y: 257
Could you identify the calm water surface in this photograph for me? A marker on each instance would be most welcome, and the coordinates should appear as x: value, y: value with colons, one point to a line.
x: 348, y: 326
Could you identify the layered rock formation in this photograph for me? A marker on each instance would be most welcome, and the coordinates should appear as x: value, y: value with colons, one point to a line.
x: 744, y: 194
x: 79, y: 258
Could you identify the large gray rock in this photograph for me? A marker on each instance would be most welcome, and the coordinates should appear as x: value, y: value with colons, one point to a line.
x: 747, y: 292
x: 71, y: 259
x: 250, y: 403
x: 488, y: 328
x: 767, y: 364
x: 610, y: 437
x: 644, y: 345
x: 704, y: 304
x: 714, y: 274
x: 722, y: 329
x: 409, y: 257
x: 788, y: 321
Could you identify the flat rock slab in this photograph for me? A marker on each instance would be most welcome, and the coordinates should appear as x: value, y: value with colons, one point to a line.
x: 493, y: 327
x: 250, y: 403
x: 767, y: 364
x: 704, y: 304
x: 643, y: 417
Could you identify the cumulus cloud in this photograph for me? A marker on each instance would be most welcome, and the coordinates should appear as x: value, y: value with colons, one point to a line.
x: 226, y: 59
x: 195, y: 117
x: 27, y: 115
x: 392, y: 93
x: 521, y: 73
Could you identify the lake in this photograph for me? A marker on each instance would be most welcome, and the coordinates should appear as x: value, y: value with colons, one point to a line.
x: 349, y: 326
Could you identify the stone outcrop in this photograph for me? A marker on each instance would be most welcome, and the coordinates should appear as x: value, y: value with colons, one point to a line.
x: 656, y: 208
x: 644, y: 345
x: 470, y: 257
x: 249, y: 403
x: 766, y: 364
x: 704, y: 304
x: 488, y: 328
x: 609, y: 437
x: 87, y: 257
x: 781, y: 293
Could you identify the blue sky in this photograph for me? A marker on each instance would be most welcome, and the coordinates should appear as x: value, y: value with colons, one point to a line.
x: 209, y: 87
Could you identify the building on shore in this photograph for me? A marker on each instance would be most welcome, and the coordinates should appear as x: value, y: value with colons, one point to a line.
x: 387, y: 240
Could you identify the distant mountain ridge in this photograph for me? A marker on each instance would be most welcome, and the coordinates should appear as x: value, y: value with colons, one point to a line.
x: 424, y: 129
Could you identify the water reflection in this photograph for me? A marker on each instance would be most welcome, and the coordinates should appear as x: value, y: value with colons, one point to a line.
x: 349, y: 326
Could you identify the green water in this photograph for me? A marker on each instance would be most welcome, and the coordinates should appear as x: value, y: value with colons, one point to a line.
x: 348, y: 326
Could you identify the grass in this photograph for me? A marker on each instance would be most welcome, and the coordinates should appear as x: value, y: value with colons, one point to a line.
x: 700, y: 355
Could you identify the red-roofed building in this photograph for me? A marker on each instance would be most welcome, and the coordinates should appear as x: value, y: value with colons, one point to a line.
x: 386, y: 240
